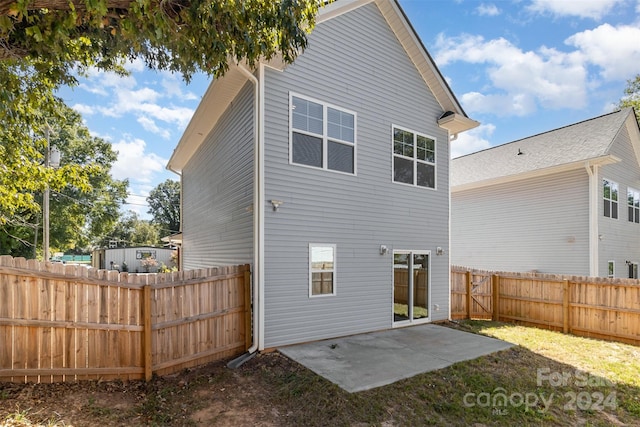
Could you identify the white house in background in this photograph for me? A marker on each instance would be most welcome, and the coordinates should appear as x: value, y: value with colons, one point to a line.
x: 133, y: 257
x: 330, y: 176
x: 564, y: 201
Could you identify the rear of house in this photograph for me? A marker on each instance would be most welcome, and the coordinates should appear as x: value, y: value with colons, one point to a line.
x: 330, y: 176
x: 546, y: 203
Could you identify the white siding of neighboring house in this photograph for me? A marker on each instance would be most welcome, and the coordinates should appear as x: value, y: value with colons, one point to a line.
x: 355, y: 62
x: 217, y: 186
x: 535, y: 224
x: 130, y: 256
x: 620, y: 239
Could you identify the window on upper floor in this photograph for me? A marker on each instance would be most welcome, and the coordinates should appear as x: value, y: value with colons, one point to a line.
x: 414, y: 158
x: 321, y: 135
x: 610, y: 192
x: 633, y: 205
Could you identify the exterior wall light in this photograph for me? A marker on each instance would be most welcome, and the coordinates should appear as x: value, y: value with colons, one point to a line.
x: 276, y: 204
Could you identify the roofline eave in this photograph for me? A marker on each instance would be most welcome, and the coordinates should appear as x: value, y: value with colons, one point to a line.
x: 600, y: 161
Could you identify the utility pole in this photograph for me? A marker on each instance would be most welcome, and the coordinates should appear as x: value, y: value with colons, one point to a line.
x: 45, y: 202
x: 51, y: 159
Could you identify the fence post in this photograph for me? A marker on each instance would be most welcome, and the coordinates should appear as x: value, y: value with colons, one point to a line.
x: 495, y: 289
x: 146, y: 347
x: 248, y: 339
x: 469, y: 277
x: 565, y: 306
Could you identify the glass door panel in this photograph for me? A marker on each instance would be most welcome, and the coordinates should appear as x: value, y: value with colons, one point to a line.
x: 410, y: 286
x: 400, y: 287
x: 420, y: 286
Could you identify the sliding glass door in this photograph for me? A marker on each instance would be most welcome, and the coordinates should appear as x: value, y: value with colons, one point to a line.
x: 410, y: 286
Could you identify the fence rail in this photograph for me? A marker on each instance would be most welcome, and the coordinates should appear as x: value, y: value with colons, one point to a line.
x: 585, y: 306
x: 67, y: 323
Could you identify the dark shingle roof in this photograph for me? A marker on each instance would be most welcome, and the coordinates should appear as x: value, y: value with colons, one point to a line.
x: 581, y: 141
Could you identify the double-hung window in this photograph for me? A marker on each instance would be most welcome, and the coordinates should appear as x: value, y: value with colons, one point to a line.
x: 633, y: 205
x: 610, y: 195
x: 322, y: 136
x: 414, y: 158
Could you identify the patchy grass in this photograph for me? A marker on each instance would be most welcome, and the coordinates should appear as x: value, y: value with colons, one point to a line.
x: 534, y: 383
x: 617, y: 362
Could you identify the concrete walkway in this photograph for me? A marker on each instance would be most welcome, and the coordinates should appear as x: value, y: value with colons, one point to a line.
x: 362, y: 362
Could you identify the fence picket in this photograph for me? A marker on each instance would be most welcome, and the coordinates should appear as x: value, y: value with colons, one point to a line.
x: 586, y: 306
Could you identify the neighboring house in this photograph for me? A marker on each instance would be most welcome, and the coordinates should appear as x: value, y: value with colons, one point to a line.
x: 132, y: 259
x: 565, y: 201
x: 330, y: 176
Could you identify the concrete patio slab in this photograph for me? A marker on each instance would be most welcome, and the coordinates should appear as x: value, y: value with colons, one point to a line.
x: 362, y: 362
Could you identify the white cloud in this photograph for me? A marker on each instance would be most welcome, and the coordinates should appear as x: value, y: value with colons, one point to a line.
x: 135, y: 163
x: 151, y: 126
x: 520, y: 81
x: 594, y: 9
x: 83, y: 109
x: 473, y: 140
x: 488, y: 10
x: 173, y: 87
x: 499, y: 104
x: 614, y: 49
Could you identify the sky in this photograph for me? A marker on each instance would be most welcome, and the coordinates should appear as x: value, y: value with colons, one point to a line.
x: 519, y: 67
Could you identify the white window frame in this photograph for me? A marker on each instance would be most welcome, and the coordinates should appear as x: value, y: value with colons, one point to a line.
x: 325, y: 134
x: 312, y: 270
x: 633, y: 202
x: 611, y: 269
x: 415, y: 160
x: 614, y: 186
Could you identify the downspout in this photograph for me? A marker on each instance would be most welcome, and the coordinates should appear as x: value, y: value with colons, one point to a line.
x: 258, y: 219
x: 592, y: 171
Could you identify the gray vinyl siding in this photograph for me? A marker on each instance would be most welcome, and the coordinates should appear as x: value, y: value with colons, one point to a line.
x: 620, y: 239
x: 355, y: 62
x: 539, y: 224
x: 217, y: 186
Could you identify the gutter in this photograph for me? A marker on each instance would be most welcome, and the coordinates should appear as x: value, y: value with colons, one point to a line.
x: 592, y: 171
x: 258, y: 218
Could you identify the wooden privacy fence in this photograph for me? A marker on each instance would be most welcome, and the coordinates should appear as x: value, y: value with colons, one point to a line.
x: 585, y: 306
x: 67, y: 323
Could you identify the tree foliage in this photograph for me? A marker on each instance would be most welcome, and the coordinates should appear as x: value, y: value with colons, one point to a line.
x: 178, y: 35
x: 130, y: 230
x: 631, y: 96
x: 164, y: 206
x: 84, y: 199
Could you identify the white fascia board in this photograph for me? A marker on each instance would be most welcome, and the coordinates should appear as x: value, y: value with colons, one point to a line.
x: 338, y: 8
x: 456, y: 123
x: 634, y: 133
x: 599, y: 161
x: 213, y: 104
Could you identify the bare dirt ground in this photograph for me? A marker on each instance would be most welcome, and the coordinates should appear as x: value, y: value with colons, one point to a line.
x: 205, y: 396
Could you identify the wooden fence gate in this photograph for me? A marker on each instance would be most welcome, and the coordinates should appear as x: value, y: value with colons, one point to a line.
x: 471, y: 294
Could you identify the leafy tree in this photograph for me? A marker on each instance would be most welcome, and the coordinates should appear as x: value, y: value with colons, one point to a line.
x: 79, y: 217
x: 78, y: 213
x: 130, y: 230
x: 164, y: 206
x: 45, y: 44
x: 178, y: 35
x: 631, y: 96
x: 27, y: 108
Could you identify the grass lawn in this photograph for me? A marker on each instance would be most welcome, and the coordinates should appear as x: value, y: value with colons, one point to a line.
x: 547, y: 379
